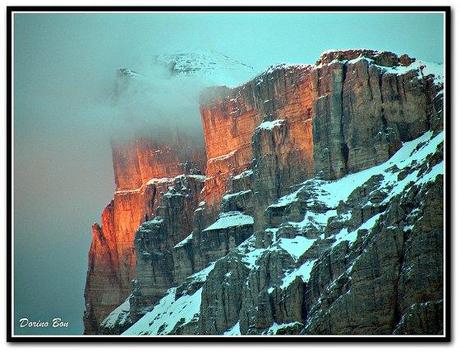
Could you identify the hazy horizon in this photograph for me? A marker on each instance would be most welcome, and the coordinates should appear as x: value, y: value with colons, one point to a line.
x: 64, y: 75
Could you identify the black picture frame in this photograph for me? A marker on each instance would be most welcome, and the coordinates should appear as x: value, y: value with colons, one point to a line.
x: 10, y: 10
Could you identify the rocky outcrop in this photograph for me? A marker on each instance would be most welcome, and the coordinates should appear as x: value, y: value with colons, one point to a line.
x: 143, y: 172
x: 169, y: 248
x: 221, y: 303
x: 228, y: 125
x: 114, y: 240
x: 342, y: 270
x: 364, y: 112
x: 285, y: 235
x: 155, y: 241
x: 389, y: 280
x: 350, y: 111
x: 233, y: 115
x: 381, y: 58
x: 99, y: 301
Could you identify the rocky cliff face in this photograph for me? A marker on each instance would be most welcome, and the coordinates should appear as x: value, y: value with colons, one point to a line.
x: 365, y: 257
x: 281, y: 97
x: 144, y: 171
x: 350, y: 111
x: 364, y: 112
x: 320, y: 213
x: 146, y: 165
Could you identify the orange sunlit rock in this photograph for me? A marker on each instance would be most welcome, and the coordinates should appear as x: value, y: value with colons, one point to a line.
x: 230, y: 117
x: 143, y: 171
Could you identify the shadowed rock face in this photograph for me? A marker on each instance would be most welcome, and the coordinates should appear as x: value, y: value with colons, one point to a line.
x: 155, y: 241
x: 362, y: 115
x: 395, y: 283
x: 279, y: 135
x: 384, y: 279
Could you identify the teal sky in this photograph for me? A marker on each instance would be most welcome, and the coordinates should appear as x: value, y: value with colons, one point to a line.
x: 64, y: 67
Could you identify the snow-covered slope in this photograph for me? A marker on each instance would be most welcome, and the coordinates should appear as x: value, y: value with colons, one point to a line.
x: 330, y: 221
x: 173, y: 311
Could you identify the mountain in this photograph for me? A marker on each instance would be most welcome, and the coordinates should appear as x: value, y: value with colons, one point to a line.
x: 145, y: 164
x: 320, y: 210
x: 210, y: 66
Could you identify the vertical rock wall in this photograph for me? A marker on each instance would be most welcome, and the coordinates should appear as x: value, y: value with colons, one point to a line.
x: 350, y: 111
x: 143, y: 172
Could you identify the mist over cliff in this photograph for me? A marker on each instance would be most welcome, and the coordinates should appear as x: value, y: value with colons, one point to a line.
x: 160, y: 100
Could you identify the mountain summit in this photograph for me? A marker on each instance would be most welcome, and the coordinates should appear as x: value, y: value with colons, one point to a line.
x: 213, y: 67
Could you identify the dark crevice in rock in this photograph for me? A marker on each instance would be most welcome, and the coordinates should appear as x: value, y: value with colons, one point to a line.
x: 344, y: 148
x: 369, y: 86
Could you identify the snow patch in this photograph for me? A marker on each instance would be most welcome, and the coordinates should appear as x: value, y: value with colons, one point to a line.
x: 335, y: 191
x: 167, y: 314
x: 268, y: 125
x: 203, y: 274
x: 222, y: 157
x: 317, y: 220
x: 286, y: 200
x: 272, y: 330
x: 296, y: 246
x: 237, y: 194
x: 155, y: 221
x: 231, y: 219
x: 160, y: 180
x: 245, y: 173
x: 172, y: 179
x: 250, y: 259
x: 233, y: 331
x: 119, y: 316
x: 184, y: 241
x: 344, y: 235
x: 302, y: 271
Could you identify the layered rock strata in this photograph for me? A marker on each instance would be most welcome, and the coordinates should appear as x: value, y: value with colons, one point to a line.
x: 365, y: 257
x: 350, y: 111
x: 269, y: 247
x: 144, y: 171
